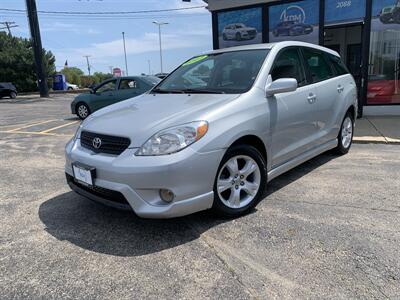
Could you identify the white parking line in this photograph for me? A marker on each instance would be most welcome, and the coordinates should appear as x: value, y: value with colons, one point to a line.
x: 58, y: 127
x: 30, y: 125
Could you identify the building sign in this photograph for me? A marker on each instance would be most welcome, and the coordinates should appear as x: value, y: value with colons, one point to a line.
x: 240, y: 27
x: 117, y: 72
x: 339, y: 11
x: 297, y: 21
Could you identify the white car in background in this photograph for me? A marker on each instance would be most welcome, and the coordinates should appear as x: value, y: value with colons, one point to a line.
x: 71, y: 86
x: 238, y: 32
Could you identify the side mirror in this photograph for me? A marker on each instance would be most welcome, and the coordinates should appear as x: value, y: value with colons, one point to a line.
x: 282, y: 85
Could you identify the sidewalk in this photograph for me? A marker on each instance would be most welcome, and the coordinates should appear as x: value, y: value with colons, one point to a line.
x: 378, y: 130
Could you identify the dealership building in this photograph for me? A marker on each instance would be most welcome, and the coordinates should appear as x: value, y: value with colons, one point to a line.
x: 366, y: 33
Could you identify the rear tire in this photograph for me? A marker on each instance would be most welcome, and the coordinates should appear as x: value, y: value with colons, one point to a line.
x: 82, y: 111
x: 13, y: 95
x: 345, y: 137
x: 240, y: 181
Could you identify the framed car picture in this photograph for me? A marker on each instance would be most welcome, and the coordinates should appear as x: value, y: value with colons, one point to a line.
x: 240, y: 27
x: 296, y: 21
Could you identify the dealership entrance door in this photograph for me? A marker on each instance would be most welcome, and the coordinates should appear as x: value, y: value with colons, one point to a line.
x: 347, y: 41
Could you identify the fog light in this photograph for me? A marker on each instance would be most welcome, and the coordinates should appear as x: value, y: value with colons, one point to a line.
x: 167, y: 195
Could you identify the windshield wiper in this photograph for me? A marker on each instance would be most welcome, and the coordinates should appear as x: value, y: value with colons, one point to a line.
x: 161, y: 91
x: 203, y: 91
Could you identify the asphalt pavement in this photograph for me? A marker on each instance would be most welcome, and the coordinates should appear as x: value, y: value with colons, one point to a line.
x: 329, y: 229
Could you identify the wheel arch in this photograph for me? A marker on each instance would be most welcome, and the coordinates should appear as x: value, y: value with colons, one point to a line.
x: 254, y: 141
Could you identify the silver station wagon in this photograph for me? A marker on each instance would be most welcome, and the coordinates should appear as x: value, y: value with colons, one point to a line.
x: 215, y: 131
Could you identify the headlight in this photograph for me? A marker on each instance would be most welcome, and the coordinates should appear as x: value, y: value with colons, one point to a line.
x: 173, y: 139
x: 78, y: 133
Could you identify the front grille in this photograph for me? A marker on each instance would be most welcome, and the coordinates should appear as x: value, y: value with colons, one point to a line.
x: 252, y: 32
x: 104, y: 193
x: 109, y: 144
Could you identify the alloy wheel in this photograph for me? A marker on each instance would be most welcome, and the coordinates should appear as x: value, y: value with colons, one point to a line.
x: 238, y: 181
x: 83, y: 111
x: 347, y: 132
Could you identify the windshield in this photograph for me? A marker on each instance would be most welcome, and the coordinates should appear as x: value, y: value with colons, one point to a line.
x: 152, y: 80
x: 222, y: 73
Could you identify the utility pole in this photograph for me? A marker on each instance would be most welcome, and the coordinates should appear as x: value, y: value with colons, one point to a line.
x: 8, y: 26
x: 148, y: 61
x: 111, y: 69
x: 159, y: 24
x: 126, y: 62
x: 87, y: 61
x: 37, y: 47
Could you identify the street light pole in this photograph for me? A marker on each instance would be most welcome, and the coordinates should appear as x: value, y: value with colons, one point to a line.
x: 126, y: 62
x: 159, y: 24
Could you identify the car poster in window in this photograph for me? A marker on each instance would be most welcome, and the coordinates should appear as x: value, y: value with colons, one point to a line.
x: 240, y: 27
x: 384, y: 57
x: 295, y: 21
x: 344, y: 11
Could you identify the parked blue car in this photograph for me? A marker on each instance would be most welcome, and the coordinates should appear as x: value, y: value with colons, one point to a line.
x: 292, y: 28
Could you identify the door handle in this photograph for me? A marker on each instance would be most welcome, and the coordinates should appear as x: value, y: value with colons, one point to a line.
x: 312, y: 98
x: 340, y: 89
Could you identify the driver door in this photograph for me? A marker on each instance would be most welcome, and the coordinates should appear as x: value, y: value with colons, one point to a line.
x: 104, y: 94
x: 292, y: 116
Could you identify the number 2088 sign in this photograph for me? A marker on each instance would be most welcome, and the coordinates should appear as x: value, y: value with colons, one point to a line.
x: 344, y: 11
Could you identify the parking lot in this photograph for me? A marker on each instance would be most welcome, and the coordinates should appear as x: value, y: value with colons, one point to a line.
x: 327, y: 229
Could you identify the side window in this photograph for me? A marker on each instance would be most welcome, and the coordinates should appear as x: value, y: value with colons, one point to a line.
x: 106, y: 87
x: 127, y: 84
x: 319, y: 68
x: 288, y: 65
x: 338, y: 65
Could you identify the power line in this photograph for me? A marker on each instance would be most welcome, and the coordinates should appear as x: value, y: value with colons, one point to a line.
x: 106, y: 13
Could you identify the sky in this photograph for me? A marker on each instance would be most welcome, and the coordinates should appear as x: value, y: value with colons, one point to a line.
x: 71, y: 37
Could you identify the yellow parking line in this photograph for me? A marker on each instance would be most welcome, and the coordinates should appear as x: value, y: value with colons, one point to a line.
x: 31, y: 125
x: 58, y: 127
x: 35, y: 133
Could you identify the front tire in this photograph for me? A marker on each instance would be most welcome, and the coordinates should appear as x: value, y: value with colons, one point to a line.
x: 238, y: 36
x: 345, y: 137
x: 82, y: 111
x: 240, y: 181
x: 13, y: 95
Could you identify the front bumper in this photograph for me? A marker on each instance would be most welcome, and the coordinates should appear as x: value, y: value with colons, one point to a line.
x: 188, y: 174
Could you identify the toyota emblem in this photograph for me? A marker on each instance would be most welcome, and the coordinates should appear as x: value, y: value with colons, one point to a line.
x: 96, y: 143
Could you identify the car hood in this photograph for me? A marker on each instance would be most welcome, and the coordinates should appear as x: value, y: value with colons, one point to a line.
x: 141, y: 117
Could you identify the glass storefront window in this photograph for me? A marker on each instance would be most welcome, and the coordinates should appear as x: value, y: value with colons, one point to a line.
x: 297, y: 21
x: 240, y: 27
x: 344, y: 11
x: 384, y: 57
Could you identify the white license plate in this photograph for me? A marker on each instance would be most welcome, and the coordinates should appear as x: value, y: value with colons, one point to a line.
x: 83, y: 175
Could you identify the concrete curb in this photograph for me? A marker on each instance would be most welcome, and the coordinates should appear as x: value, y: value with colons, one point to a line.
x: 375, y: 140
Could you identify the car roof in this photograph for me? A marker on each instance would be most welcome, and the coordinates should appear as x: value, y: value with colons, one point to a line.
x: 270, y: 46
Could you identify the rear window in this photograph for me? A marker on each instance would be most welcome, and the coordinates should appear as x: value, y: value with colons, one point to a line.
x: 319, y: 67
x: 338, y: 65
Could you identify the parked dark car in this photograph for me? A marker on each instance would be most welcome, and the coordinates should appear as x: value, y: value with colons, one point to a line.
x: 390, y: 14
x: 7, y: 89
x: 111, y: 91
x: 292, y: 28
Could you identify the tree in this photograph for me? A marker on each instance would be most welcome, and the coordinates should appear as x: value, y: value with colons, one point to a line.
x: 73, y: 75
x: 17, y: 64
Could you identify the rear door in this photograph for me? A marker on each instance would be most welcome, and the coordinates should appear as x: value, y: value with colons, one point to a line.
x: 292, y: 114
x: 327, y: 87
